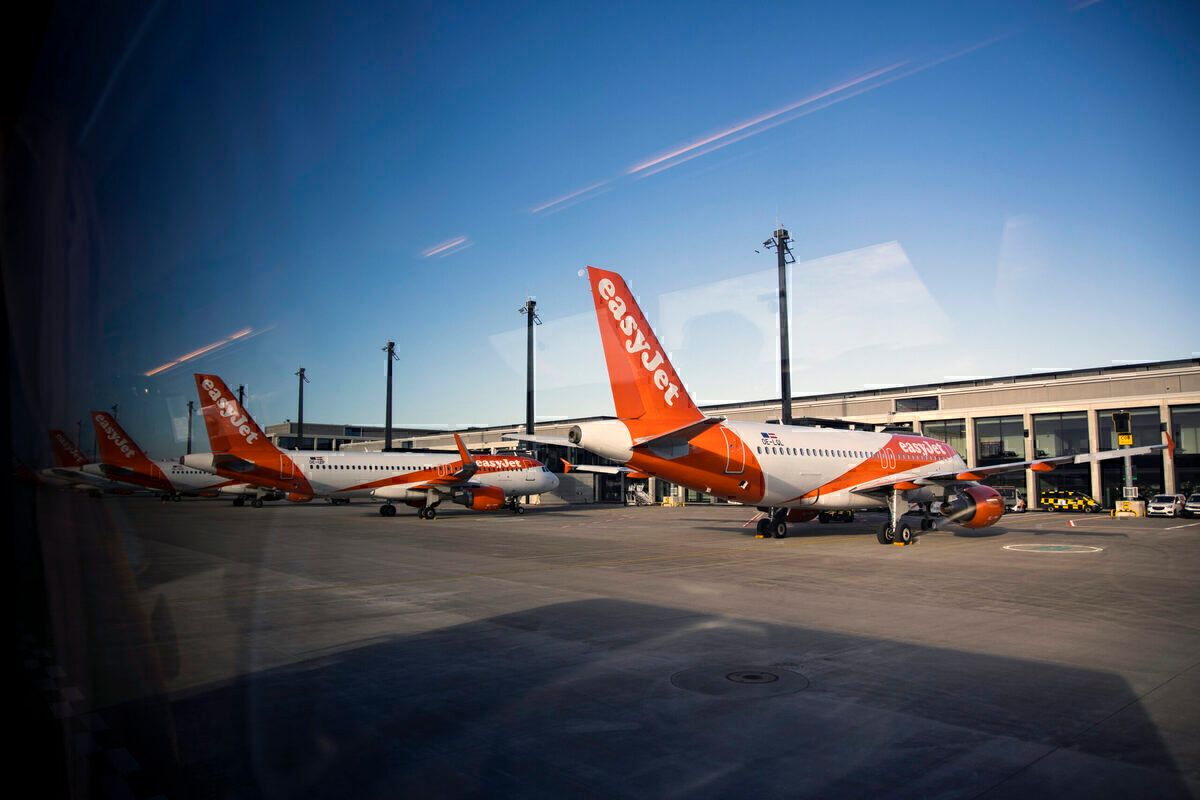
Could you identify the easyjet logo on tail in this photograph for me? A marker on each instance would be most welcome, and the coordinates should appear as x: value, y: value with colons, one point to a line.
x: 228, y: 408
x: 636, y: 341
x: 113, y: 435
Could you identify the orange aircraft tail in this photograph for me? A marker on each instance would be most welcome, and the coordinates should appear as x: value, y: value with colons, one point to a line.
x: 66, y: 454
x: 116, y: 448
x: 645, y: 386
x: 230, y: 429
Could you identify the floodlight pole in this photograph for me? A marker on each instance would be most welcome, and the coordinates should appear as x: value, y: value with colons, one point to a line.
x: 531, y: 319
x: 191, y: 408
x: 300, y: 409
x: 779, y: 240
x: 390, y: 349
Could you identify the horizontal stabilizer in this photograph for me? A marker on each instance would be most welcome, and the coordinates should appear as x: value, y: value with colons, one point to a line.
x: 684, y: 433
x: 561, y: 441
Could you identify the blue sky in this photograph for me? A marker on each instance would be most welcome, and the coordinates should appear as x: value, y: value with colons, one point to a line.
x: 973, y: 189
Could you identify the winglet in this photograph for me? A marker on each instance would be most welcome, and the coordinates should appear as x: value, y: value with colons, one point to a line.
x: 469, y: 467
x: 1170, y: 444
x: 567, y: 466
x: 463, y: 453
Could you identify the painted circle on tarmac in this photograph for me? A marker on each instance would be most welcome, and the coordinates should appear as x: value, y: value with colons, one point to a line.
x: 1053, y: 548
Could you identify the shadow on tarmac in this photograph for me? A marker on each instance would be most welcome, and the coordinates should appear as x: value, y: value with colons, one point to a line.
x: 576, y: 699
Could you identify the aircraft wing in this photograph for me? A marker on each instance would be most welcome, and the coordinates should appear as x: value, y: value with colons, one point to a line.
x: 901, y: 480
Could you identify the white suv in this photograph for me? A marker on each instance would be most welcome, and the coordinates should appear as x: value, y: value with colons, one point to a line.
x: 1192, y: 507
x: 1165, y: 505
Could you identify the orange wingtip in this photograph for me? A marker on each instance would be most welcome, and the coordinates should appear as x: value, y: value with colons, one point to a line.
x: 463, y: 453
x: 567, y: 465
x: 1041, y: 466
x: 1170, y: 444
x: 968, y: 476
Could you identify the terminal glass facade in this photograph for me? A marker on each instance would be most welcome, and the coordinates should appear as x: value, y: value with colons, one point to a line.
x: 951, y: 431
x: 1147, y: 470
x: 1185, y: 429
x: 1063, y: 434
x: 999, y: 440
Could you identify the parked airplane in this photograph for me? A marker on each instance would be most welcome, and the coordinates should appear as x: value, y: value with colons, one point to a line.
x: 419, y: 479
x: 790, y: 473
x: 123, y: 461
x: 68, y: 470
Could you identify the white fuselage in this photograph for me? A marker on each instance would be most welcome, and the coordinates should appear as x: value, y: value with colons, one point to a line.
x: 345, y: 474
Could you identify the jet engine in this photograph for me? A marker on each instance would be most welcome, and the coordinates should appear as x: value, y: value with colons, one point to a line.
x: 480, y: 498
x: 296, y: 497
x: 975, y: 507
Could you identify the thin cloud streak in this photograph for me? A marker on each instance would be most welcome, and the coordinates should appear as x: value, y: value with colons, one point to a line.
x: 443, y: 248
x: 199, y: 351
x: 578, y: 194
x: 750, y: 123
x: 827, y: 98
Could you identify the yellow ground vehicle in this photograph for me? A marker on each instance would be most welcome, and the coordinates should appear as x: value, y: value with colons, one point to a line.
x: 1066, y: 500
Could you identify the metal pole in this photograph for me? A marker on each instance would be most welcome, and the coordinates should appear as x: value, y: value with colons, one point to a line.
x: 300, y: 410
x: 191, y: 408
x: 785, y: 358
x: 530, y: 316
x: 241, y: 395
x: 390, y: 348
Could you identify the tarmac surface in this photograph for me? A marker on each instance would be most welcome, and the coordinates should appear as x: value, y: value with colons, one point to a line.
x: 643, y: 652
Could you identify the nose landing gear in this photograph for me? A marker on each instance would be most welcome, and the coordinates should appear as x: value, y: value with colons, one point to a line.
x: 772, y: 525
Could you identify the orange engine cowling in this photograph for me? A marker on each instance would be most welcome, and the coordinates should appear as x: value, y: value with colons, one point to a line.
x: 296, y: 497
x: 480, y: 498
x: 975, y: 507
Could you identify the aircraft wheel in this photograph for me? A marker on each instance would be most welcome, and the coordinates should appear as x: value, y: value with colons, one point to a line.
x: 823, y: 517
x: 763, y: 525
x: 904, y: 534
x: 257, y: 502
x: 926, y: 524
x: 779, y: 529
x: 885, y: 534
x: 387, y: 510
x: 430, y: 512
x: 518, y: 508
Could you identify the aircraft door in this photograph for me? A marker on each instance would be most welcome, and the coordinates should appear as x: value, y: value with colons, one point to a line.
x: 735, y: 452
x: 287, y: 468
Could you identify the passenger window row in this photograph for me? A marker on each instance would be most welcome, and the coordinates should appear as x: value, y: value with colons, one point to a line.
x: 813, y: 452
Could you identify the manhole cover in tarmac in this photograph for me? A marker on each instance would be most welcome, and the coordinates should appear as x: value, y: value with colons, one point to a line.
x: 1053, y: 548
x: 720, y: 681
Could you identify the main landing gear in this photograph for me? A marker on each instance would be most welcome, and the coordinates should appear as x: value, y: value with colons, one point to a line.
x: 387, y: 510
x: 514, y: 505
x: 427, y: 512
x: 902, y: 528
x: 772, y: 525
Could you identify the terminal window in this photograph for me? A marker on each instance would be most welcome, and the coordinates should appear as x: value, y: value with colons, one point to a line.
x: 928, y: 403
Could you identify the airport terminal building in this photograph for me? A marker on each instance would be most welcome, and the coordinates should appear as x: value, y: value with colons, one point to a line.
x: 988, y: 421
